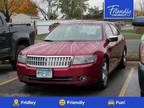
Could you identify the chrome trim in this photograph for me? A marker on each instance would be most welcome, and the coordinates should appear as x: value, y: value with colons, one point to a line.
x: 49, y: 61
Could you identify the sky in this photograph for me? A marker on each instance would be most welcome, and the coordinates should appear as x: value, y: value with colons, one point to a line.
x: 92, y: 3
x: 99, y: 3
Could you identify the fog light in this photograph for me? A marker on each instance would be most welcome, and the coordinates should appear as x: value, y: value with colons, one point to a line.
x: 83, y: 78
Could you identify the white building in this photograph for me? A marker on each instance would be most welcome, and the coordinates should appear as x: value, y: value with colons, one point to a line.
x: 23, y: 18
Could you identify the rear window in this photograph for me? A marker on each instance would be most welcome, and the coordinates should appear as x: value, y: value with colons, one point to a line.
x: 76, y: 32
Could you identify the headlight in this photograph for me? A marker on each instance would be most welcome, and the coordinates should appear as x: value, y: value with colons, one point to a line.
x: 22, y: 58
x: 84, y: 59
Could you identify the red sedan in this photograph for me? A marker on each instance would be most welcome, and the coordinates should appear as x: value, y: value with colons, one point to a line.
x: 74, y: 53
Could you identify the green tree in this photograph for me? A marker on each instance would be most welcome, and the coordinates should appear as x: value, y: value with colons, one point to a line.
x: 50, y: 11
x: 10, y: 7
x: 73, y: 8
x: 94, y: 13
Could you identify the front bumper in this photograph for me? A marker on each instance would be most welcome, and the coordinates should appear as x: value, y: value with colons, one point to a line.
x: 62, y: 76
x: 141, y: 75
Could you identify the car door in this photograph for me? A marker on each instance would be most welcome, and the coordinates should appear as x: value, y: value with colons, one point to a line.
x: 5, y: 40
x: 120, y: 43
x: 111, y: 48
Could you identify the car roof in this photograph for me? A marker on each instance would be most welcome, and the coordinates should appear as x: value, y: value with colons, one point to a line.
x: 83, y: 22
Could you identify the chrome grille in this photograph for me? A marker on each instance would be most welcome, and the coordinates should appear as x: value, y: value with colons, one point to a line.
x: 49, y: 61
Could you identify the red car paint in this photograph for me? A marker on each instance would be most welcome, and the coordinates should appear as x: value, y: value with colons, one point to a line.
x: 112, y: 50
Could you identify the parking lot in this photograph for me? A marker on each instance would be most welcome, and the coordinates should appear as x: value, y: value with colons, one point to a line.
x: 122, y: 82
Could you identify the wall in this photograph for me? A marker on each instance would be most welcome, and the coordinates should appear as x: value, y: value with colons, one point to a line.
x: 43, y: 26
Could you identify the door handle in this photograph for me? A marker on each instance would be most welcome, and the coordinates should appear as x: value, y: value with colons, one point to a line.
x: 117, y: 43
x: 2, y: 38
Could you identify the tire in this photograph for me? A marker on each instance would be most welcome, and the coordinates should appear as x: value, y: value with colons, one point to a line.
x: 13, y: 62
x: 103, y: 82
x: 123, y: 62
x: 142, y: 94
x: 30, y: 84
x: 141, y: 78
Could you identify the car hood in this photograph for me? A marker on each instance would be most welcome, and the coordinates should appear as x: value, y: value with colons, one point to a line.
x: 63, y: 48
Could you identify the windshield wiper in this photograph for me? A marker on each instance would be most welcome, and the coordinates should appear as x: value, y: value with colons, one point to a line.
x: 63, y: 40
x: 49, y: 40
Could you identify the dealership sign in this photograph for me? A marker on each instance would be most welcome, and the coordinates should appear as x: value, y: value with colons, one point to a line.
x: 119, y: 9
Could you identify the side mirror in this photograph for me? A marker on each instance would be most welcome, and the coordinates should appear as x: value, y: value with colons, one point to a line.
x: 138, y: 21
x: 113, y: 38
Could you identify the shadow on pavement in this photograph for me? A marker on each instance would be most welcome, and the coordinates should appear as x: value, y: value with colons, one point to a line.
x: 44, y: 90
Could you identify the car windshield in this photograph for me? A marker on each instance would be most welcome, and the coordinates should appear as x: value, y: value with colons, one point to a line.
x: 76, y: 32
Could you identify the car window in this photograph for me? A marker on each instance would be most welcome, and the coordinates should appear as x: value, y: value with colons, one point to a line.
x: 108, y: 31
x: 76, y: 32
x: 115, y: 30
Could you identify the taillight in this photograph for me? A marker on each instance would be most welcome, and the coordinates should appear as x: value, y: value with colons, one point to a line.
x: 142, y: 52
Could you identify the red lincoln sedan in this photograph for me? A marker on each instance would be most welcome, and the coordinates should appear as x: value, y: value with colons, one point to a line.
x: 74, y: 53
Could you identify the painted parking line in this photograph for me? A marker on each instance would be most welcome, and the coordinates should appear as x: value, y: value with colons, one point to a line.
x: 126, y: 83
x: 8, y: 81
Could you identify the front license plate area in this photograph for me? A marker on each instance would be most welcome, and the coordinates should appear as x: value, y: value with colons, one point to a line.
x: 44, y: 73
